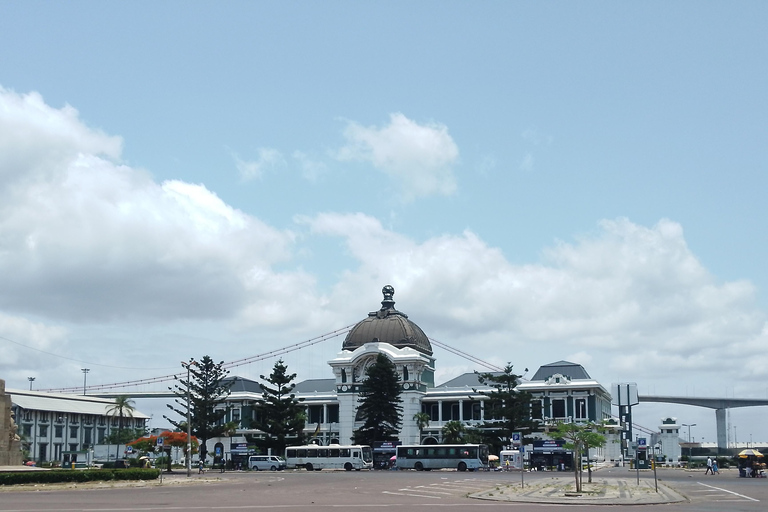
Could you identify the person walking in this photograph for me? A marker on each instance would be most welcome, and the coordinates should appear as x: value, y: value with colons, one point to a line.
x: 709, y: 466
x: 714, y: 467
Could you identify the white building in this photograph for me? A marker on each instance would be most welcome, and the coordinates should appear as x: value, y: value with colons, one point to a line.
x: 563, y: 391
x: 51, y: 423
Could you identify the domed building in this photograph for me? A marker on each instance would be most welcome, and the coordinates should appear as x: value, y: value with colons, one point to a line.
x: 387, y: 331
x: 563, y: 391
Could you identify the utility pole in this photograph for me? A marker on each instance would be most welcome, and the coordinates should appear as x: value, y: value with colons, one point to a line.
x: 31, y: 380
x: 189, y: 418
x: 85, y: 376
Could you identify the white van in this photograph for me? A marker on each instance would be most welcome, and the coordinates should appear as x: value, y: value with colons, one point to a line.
x: 264, y: 462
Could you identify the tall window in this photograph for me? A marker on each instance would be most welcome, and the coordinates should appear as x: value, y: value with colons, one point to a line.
x: 558, y: 408
x: 581, y: 408
x: 42, y: 431
x: 58, y: 431
x: 537, y: 408
x: 73, y: 432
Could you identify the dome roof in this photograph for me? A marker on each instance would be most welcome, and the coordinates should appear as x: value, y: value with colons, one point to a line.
x: 388, y: 325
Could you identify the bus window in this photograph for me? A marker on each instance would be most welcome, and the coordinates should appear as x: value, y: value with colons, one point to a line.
x: 334, y: 452
x: 345, y: 452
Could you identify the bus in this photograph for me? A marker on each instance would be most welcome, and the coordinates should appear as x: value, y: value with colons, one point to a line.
x: 314, y: 457
x: 462, y: 457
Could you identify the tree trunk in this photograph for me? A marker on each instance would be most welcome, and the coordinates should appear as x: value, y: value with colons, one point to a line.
x: 577, y: 468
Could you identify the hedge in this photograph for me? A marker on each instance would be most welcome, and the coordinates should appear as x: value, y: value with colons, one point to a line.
x: 75, y: 475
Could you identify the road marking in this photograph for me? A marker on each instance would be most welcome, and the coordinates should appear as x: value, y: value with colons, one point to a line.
x: 729, y: 492
x: 409, y: 494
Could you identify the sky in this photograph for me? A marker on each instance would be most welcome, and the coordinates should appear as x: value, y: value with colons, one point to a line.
x: 539, y: 181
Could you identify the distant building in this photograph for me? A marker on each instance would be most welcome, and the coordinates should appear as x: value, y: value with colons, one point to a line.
x: 565, y: 392
x: 50, y: 424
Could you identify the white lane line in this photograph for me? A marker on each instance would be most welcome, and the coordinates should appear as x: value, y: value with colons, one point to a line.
x: 410, y: 494
x: 729, y: 492
x: 420, y: 488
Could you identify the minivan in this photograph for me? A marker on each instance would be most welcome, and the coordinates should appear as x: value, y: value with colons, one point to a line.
x: 264, y: 462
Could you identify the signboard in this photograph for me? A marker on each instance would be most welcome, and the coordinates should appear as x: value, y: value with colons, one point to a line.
x: 641, y: 443
x: 160, y: 441
x: 549, y: 445
x: 516, y: 437
x: 624, y: 394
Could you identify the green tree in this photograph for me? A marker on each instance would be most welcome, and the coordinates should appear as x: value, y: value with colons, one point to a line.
x: 122, y: 407
x: 207, y: 392
x: 281, y: 416
x: 379, y: 403
x: 579, y: 437
x: 454, y: 432
x: 422, y: 422
x: 507, y: 410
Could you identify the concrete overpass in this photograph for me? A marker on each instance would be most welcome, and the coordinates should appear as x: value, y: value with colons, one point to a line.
x: 718, y: 404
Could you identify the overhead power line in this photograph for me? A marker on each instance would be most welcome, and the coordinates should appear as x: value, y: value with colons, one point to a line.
x: 260, y: 357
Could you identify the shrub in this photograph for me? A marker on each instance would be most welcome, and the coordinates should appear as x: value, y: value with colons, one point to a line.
x: 68, y: 475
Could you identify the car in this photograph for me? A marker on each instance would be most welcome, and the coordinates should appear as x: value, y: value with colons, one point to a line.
x: 266, y: 462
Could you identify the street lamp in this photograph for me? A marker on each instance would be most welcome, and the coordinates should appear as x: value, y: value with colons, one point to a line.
x: 31, y: 380
x: 189, y: 418
x: 690, y: 448
x: 85, y: 376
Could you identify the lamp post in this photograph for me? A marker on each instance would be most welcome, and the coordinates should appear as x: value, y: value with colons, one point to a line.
x: 85, y: 377
x: 31, y: 380
x: 690, y: 448
x: 189, y: 419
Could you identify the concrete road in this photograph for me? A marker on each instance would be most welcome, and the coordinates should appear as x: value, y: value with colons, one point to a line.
x: 369, y: 490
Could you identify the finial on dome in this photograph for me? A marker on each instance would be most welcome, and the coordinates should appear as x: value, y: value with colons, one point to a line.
x: 388, y: 302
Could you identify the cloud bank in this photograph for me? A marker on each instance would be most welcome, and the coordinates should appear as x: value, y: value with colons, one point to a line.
x: 86, y: 240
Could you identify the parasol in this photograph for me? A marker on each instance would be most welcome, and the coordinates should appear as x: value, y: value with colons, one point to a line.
x: 493, y: 457
x: 749, y: 453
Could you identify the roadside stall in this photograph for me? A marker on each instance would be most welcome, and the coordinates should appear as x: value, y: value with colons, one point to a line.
x: 751, y: 464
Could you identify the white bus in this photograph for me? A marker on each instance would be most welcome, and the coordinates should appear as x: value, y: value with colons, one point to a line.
x: 462, y: 457
x: 335, y: 456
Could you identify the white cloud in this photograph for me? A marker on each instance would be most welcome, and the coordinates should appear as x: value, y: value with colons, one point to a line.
x: 268, y: 158
x: 84, y: 238
x: 311, y: 169
x: 626, y: 297
x: 419, y: 158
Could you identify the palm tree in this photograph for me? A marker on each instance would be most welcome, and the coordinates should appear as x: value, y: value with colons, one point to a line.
x: 123, y: 406
x: 422, y: 422
x: 453, y: 432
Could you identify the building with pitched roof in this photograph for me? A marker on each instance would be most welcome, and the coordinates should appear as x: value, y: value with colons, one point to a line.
x: 563, y: 390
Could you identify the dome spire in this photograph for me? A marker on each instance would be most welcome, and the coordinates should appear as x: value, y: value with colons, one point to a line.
x: 388, y: 302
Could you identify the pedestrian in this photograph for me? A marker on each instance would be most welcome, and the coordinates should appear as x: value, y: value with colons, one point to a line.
x: 709, y: 466
x: 714, y: 467
x: 200, y: 467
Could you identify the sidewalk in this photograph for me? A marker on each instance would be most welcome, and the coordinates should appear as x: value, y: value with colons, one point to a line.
x: 602, y: 491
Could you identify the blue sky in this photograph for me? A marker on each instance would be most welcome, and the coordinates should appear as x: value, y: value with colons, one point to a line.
x: 538, y: 181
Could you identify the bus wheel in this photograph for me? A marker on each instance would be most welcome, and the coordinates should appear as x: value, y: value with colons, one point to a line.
x: 419, y: 466
x: 309, y: 467
x: 348, y: 466
x: 462, y: 466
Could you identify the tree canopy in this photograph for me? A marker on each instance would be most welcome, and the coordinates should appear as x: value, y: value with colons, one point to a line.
x: 281, y: 416
x: 579, y: 437
x: 379, y: 403
x: 207, y: 393
x: 507, y: 410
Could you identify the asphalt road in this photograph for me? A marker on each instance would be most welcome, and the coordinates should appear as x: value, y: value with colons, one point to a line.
x: 366, y: 490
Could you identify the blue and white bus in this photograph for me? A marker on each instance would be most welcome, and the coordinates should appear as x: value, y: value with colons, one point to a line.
x: 461, y: 457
